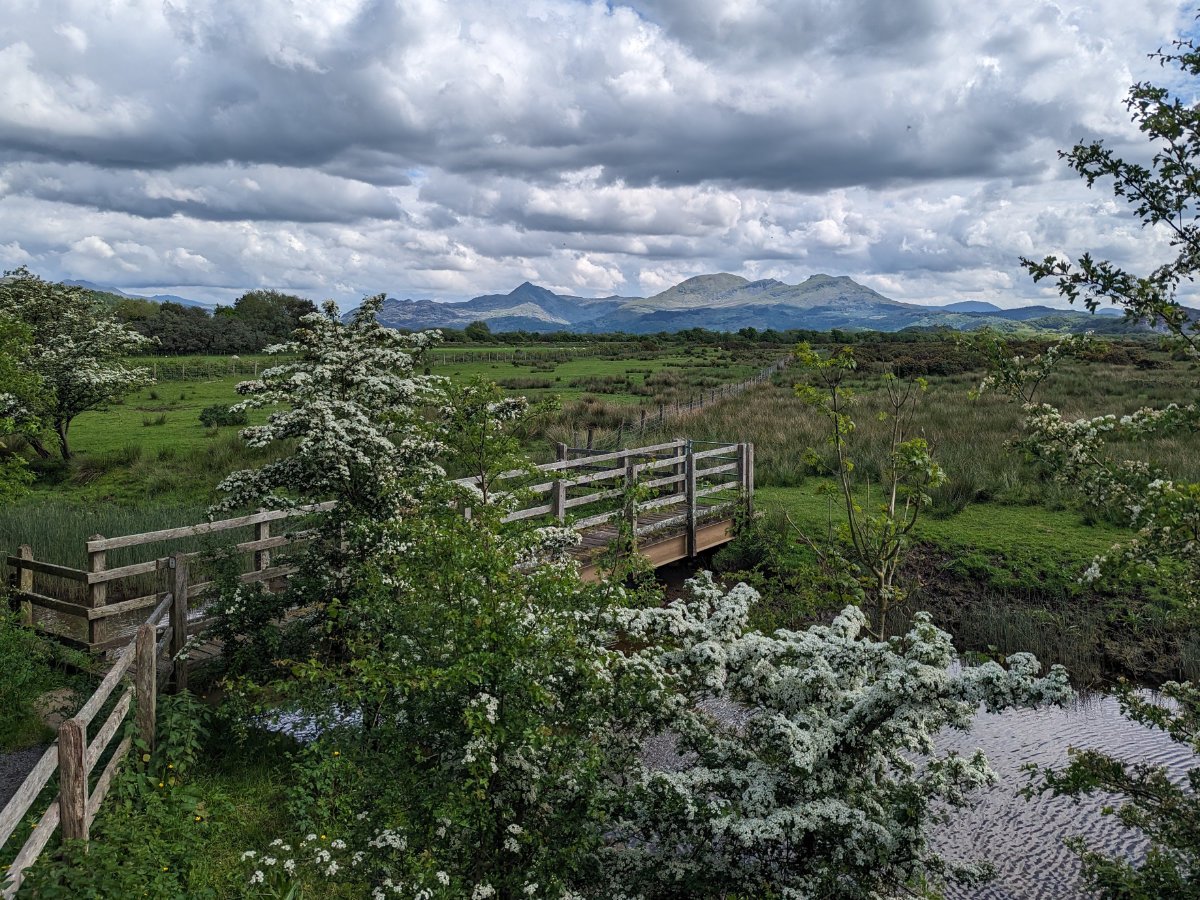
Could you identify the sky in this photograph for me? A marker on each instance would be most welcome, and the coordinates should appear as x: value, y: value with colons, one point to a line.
x: 450, y: 148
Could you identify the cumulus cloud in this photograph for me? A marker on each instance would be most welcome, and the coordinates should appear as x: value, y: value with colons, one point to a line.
x: 343, y: 147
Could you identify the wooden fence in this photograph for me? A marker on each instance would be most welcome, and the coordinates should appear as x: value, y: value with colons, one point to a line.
x: 176, y: 617
x: 98, y: 608
x: 74, y: 758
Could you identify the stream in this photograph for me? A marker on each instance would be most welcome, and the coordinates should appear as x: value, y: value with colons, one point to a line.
x: 1024, y: 838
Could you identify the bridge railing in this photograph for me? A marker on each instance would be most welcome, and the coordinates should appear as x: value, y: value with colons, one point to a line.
x: 686, y: 485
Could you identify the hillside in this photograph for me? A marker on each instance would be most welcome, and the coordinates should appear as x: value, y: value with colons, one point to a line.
x: 726, y: 302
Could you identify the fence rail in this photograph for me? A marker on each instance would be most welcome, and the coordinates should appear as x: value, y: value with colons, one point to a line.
x: 74, y: 758
x: 586, y: 477
x: 108, y: 600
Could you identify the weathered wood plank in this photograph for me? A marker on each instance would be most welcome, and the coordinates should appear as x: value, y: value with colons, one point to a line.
x: 718, y: 470
x: 598, y: 520
x: 659, y: 502
x: 594, y: 498
x: 665, y: 480
x: 106, y: 575
x: 530, y: 513
x: 716, y: 451
x: 717, y: 488
x: 89, y: 709
x: 61, y: 606
x: 30, y: 564
x: 18, y: 804
x: 170, y: 534
x: 105, y: 734
x: 125, y: 606
x: 33, y: 847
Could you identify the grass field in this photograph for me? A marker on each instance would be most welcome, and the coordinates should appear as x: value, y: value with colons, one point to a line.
x: 148, y: 462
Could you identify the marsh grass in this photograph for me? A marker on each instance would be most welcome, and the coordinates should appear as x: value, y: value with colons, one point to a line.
x: 970, y: 437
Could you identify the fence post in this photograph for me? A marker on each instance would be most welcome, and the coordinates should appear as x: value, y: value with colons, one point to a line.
x: 558, y: 491
x: 643, y: 428
x: 749, y: 479
x: 690, y: 482
x: 262, y: 558
x: 179, y: 621
x: 631, y: 475
x: 72, y: 780
x: 146, y: 682
x: 25, y: 583
x: 97, y: 593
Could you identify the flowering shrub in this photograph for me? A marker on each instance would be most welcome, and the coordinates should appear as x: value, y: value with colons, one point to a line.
x: 78, y: 351
x: 798, y: 773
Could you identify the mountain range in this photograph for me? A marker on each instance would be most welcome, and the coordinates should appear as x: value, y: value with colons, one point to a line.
x: 155, y: 298
x: 724, y: 302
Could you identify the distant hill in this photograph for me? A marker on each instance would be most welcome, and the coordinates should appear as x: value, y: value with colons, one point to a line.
x: 726, y: 302
x: 156, y: 298
x: 972, y: 306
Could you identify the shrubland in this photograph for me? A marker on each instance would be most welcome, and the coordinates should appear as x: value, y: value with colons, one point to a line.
x: 477, y: 717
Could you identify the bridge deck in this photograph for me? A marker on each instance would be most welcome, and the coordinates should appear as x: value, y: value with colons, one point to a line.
x: 660, y: 543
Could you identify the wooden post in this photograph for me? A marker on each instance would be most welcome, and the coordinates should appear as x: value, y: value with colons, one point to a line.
x: 662, y: 413
x: 643, y: 426
x: 146, y: 682
x: 690, y: 483
x: 749, y: 479
x: 631, y: 475
x: 72, y: 780
x: 558, y: 492
x: 97, y: 593
x: 25, y: 583
x: 589, y: 437
x: 179, y: 623
x: 262, y: 558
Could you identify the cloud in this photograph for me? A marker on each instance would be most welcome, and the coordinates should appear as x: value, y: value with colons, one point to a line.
x: 344, y: 147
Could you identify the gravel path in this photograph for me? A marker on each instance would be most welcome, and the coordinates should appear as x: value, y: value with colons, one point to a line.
x: 13, y: 769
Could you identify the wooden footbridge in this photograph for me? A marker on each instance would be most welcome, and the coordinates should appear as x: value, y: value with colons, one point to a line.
x: 687, y: 494
x: 669, y: 501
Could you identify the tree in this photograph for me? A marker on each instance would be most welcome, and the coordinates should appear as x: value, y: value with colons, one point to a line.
x: 479, y: 332
x: 1165, y: 512
x: 877, y: 536
x: 78, y: 351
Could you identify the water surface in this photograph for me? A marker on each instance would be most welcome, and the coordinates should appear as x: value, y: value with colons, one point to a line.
x: 1024, y: 838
